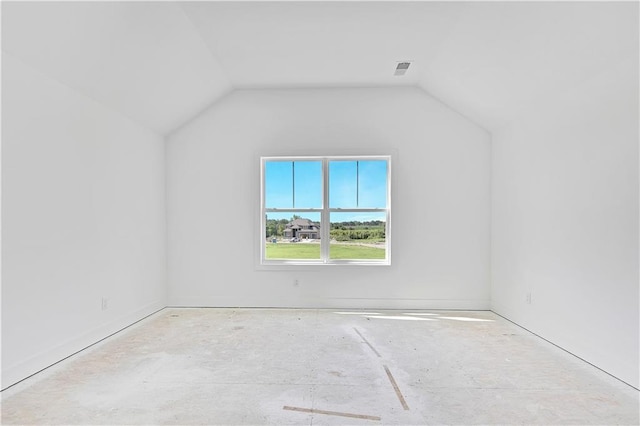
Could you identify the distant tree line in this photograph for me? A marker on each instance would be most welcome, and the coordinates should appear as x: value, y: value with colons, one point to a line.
x: 358, y: 225
x: 356, y: 230
x: 340, y: 231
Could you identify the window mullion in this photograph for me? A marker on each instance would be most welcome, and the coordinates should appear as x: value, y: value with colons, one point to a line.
x: 324, y: 217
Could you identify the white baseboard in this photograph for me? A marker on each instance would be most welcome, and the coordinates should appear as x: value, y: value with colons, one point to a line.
x: 34, y: 364
x: 344, y: 303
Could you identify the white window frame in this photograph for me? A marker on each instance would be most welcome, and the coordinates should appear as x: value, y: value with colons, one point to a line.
x: 325, y: 212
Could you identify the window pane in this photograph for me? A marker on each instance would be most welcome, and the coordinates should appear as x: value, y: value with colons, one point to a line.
x: 293, y: 184
x: 308, y: 184
x: 358, y: 235
x: 358, y: 184
x: 373, y: 183
x: 342, y: 184
x: 291, y: 236
x: 278, y: 184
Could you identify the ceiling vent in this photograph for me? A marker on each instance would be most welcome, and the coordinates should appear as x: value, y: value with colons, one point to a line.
x: 401, y: 68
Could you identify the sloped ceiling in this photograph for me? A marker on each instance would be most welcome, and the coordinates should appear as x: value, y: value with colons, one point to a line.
x: 160, y: 63
x: 143, y: 59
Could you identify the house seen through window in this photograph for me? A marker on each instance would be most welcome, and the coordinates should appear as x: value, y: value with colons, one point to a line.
x: 325, y: 210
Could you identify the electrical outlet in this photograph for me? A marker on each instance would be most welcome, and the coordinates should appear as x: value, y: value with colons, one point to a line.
x: 296, y: 283
x: 105, y: 303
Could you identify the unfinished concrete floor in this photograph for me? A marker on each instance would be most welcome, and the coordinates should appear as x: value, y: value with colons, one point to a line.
x: 315, y: 367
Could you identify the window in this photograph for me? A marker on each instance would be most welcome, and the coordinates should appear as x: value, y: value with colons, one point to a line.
x: 325, y: 210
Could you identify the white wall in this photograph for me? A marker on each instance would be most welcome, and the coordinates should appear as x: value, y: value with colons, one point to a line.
x: 82, y: 218
x: 565, y: 220
x: 441, y: 200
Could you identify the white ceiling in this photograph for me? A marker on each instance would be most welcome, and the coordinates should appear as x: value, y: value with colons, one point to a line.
x: 160, y: 63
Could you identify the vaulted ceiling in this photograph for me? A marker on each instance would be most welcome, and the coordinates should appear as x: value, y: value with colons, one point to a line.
x: 161, y: 63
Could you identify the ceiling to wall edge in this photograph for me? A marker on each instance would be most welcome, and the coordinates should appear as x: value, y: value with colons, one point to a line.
x: 219, y: 99
x: 224, y: 95
x: 233, y: 88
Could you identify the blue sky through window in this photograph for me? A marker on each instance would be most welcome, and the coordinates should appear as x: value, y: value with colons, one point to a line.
x: 293, y: 184
x: 358, y: 184
x: 352, y: 184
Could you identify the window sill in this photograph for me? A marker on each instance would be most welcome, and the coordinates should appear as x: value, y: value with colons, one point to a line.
x: 307, y: 266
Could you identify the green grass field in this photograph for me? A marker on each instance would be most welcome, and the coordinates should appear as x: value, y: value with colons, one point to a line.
x: 312, y: 251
